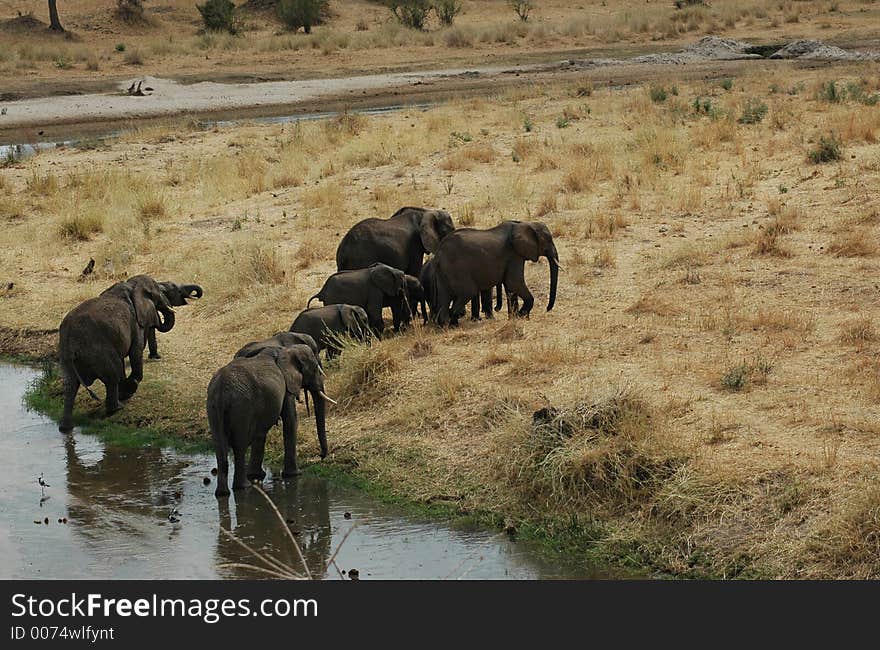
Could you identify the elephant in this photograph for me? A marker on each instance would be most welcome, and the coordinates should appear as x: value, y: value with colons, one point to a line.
x: 325, y: 324
x: 470, y: 261
x: 403, y: 311
x: 280, y: 340
x: 96, y: 336
x: 176, y: 295
x: 367, y: 288
x: 427, y: 280
x: 400, y: 241
x: 246, y: 398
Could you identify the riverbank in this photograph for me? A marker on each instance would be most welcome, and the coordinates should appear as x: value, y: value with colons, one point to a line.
x: 700, y: 401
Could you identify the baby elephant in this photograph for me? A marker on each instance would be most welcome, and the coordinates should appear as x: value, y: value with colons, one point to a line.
x: 325, y: 324
x: 402, y: 310
x: 279, y: 340
x: 245, y: 399
x: 176, y: 295
x: 368, y: 288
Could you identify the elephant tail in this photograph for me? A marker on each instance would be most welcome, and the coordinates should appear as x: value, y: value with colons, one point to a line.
x: 76, y: 374
x: 498, y: 291
x: 217, y: 424
x: 318, y: 296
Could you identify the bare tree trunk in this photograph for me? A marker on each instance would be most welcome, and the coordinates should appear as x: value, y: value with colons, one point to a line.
x: 54, y: 23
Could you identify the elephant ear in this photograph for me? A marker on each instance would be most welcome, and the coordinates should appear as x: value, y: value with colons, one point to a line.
x: 145, y: 307
x: 525, y: 241
x: 428, y: 232
x: 286, y: 361
x: 386, y: 279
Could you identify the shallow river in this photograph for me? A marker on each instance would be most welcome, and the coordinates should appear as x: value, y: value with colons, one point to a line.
x: 117, y: 502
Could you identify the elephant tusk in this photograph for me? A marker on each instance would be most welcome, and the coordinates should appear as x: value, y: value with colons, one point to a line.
x: 321, y: 370
x: 559, y: 266
x: 326, y: 397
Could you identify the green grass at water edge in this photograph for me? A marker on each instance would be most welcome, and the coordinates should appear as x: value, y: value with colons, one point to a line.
x: 44, y: 396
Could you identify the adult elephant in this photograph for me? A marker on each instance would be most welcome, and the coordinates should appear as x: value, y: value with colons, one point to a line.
x: 367, y: 288
x: 470, y: 261
x: 279, y: 340
x: 400, y: 241
x: 246, y: 398
x: 96, y: 336
x: 325, y: 324
x: 176, y: 295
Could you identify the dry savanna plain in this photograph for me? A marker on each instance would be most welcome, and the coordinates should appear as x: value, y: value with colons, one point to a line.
x: 703, y: 399
x: 709, y: 377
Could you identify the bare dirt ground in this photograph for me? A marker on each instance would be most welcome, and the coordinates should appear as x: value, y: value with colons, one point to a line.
x: 709, y: 372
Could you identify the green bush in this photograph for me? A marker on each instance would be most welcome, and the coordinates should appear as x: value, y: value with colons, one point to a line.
x: 411, y: 13
x: 120, y: 47
x: 302, y: 13
x: 447, y: 10
x: 828, y: 92
x: 218, y: 15
x: 658, y: 94
x: 753, y: 112
x: 727, y: 84
x: 828, y: 150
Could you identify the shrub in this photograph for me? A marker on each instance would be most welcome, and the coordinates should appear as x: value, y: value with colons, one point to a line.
x: 727, y: 84
x: 828, y: 93
x: 411, y: 13
x: 828, y: 150
x: 120, y: 47
x: 753, y: 112
x: 218, y: 15
x: 130, y: 11
x: 447, y: 10
x: 657, y: 93
x: 522, y: 8
x: 302, y: 13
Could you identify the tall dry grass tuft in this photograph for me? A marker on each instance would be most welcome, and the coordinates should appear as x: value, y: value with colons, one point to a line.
x: 858, y: 331
x: 850, y: 542
x: 605, y: 452
x: 364, y: 375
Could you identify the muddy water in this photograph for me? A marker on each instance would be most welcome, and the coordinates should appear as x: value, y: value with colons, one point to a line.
x: 117, y: 502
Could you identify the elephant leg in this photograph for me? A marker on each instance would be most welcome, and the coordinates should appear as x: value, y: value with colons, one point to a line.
x: 71, y: 386
x: 515, y: 283
x: 397, y: 315
x: 377, y: 324
x: 475, y: 308
x: 151, y: 343
x: 111, y: 402
x: 486, y: 303
x: 458, y: 307
x: 239, y: 478
x: 289, y: 424
x: 222, y: 471
x: 258, y: 449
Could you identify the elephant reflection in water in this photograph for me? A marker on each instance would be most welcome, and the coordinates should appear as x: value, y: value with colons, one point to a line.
x: 127, y: 489
x: 305, y: 506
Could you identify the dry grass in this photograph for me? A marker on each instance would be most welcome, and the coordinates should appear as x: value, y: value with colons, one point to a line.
x: 662, y: 290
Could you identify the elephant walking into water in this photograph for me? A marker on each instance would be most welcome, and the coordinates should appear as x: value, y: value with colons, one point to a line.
x: 471, y: 261
x: 368, y: 288
x: 400, y: 241
x: 175, y: 294
x: 326, y: 324
x: 97, y: 335
x: 247, y: 397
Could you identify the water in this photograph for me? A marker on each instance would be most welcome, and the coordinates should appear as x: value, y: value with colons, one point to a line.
x: 117, y: 503
x: 21, y: 151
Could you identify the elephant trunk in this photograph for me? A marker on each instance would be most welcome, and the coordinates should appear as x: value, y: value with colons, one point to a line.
x: 192, y: 290
x: 554, y: 277
x: 167, y: 319
x: 320, y: 404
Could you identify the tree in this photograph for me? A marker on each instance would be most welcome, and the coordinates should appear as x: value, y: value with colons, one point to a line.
x: 54, y: 23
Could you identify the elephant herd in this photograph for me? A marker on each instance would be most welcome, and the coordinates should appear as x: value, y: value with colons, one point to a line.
x: 380, y: 263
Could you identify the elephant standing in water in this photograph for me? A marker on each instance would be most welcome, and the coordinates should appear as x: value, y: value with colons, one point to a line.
x: 175, y: 294
x: 247, y: 397
x: 368, y: 288
x: 325, y: 324
x: 400, y: 241
x: 470, y: 261
x: 96, y: 336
